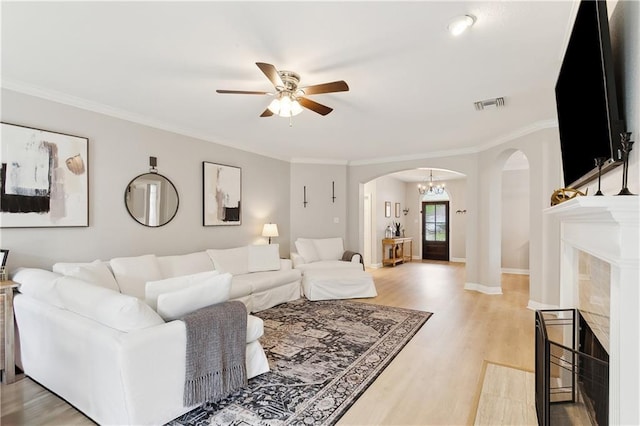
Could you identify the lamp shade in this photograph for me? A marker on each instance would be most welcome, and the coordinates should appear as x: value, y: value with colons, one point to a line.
x: 270, y: 230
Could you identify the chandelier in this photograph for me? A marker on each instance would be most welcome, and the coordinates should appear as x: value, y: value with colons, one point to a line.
x: 429, y: 188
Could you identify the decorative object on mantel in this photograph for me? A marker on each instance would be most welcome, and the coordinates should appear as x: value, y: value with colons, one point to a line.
x: 626, y: 149
x: 333, y: 191
x: 270, y: 230
x: 599, y: 162
x: 151, y: 198
x: 564, y: 194
x: 428, y: 188
x: 304, y: 196
x: 44, y: 178
x: 222, y: 194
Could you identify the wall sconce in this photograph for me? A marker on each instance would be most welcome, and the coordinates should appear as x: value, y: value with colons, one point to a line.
x: 405, y: 211
x: 270, y: 230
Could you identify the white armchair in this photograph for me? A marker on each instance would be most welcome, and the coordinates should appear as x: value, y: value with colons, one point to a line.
x: 324, y: 253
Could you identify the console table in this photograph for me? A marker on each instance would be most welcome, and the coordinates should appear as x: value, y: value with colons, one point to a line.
x: 7, y: 362
x: 397, y: 250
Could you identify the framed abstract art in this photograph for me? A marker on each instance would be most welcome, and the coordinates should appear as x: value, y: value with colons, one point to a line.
x: 44, y: 180
x: 222, y: 194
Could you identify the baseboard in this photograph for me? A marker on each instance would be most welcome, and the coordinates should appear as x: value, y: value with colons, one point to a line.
x: 515, y: 271
x: 483, y: 288
x: 375, y: 266
x: 534, y: 306
x: 458, y: 259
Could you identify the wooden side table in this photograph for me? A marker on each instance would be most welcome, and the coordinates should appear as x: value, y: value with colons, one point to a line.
x: 7, y: 331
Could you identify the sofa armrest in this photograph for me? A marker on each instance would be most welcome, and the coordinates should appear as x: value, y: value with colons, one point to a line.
x: 353, y: 257
x: 296, y: 259
x: 286, y: 264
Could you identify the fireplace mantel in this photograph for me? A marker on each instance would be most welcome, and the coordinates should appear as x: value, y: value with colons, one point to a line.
x: 608, y: 228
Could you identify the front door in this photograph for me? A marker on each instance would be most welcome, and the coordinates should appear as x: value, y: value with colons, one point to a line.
x: 435, y: 230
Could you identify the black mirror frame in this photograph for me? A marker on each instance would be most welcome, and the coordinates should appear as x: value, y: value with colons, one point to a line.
x: 172, y: 185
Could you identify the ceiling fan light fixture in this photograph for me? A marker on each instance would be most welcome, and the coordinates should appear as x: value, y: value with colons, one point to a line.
x: 460, y: 24
x: 285, y: 106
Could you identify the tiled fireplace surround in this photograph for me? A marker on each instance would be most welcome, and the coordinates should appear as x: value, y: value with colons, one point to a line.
x: 599, y: 274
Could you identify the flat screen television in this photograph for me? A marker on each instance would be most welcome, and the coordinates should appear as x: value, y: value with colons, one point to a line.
x: 586, y: 98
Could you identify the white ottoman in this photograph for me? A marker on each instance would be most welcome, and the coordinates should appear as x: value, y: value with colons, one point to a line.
x: 327, y: 284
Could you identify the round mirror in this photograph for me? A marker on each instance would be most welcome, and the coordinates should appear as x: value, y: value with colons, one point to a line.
x: 151, y: 199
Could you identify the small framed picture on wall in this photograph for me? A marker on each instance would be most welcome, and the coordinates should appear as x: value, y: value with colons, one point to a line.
x: 397, y: 209
x: 387, y: 209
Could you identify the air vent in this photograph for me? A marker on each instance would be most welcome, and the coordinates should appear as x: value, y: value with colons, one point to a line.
x: 494, y: 102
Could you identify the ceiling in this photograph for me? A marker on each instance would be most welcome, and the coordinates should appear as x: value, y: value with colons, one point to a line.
x: 412, y: 84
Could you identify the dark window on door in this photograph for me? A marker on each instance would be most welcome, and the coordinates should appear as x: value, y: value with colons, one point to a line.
x: 435, y: 230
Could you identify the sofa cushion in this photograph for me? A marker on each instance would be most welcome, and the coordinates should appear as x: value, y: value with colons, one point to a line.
x: 240, y: 286
x: 96, y: 272
x: 307, y: 250
x: 39, y: 284
x: 132, y: 273
x: 153, y: 289
x: 329, y: 264
x: 185, y: 264
x: 329, y: 248
x: 261, y: 281
x: 264, y: 257
x: 234, y: 260
x: 176, y: 304
x: 108, y: 307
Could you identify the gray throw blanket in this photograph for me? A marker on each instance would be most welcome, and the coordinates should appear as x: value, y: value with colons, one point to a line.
x: 348, y: 255
x: 216, y: 352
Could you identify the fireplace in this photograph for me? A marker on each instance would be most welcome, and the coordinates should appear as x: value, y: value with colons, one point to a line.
x: 597, y: 263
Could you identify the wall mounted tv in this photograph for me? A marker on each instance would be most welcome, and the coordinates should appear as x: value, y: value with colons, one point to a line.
x: 586, y: 98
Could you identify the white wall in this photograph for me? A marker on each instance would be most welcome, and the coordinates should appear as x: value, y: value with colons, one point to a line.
x: 388, y: 189
x: 118, y: 151
x: 515, y: 220
x: 322, y: 217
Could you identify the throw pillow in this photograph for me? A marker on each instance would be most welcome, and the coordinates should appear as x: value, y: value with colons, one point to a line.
x: 108, y: 307
x: 234, y: 260
x: 184, y: 264
x: 132, y: 273
x: 264, y: 257
x: 176, y: 304
x: 153, y: 289
x: 307, y: 250
x: 329, y: 248
x: 39, y: 284
x: 96, y: 272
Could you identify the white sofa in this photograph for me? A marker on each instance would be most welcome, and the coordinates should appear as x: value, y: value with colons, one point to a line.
x: 324, y: 253
x: 88, y: 332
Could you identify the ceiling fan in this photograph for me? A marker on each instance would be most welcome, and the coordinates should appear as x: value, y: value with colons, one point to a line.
x: 289, y: 97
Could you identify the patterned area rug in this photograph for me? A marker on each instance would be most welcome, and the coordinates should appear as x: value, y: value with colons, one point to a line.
x: 323, y: 356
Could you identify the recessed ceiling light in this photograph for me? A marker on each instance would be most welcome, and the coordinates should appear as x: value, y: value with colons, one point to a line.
x: 460, y: 24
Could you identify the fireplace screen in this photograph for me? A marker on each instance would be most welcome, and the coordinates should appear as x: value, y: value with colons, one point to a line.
x: 571, y: 371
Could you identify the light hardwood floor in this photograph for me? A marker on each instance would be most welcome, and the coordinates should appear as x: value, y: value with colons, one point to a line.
x: 435, y: 380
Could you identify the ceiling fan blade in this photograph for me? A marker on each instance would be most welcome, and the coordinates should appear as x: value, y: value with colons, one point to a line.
x: 334, y: 86
x: 314, y: 106
x: 242, y: 92
x: 271, y: 72
x: 267, y: 113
